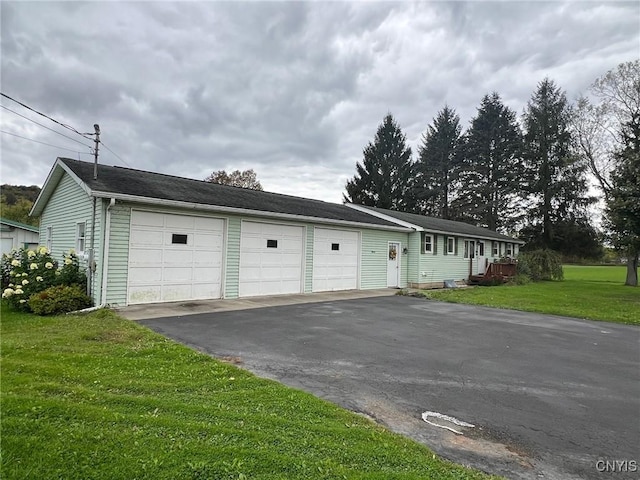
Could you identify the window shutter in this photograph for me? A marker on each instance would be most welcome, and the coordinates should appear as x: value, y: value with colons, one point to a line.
x: 455, y: 243
x: 446, y: 245
x: 435, y: 244
x: 422, y: 235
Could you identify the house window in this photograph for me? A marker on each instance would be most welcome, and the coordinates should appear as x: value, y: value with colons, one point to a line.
x: 481, y: 249
x: 49, y: 238
x: 80, y: 237
x: 179, y: 239
x: 496, y: 249
x: 335, y: 247
x: 428, y: 244
x: 515, y: 249
x: 451, y: 245
x: 272, y: 243
x: 509, y: 250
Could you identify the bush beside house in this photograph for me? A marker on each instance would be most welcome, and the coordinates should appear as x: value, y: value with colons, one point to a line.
x: 32, y: 281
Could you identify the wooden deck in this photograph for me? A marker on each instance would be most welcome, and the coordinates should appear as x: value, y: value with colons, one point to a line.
x: 495, y: 273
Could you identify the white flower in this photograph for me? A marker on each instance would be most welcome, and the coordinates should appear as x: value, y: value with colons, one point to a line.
x: 12, y: 273
x: 39, y: 278
x: 23, y: 301
x: 43, y: 250
x: 15, y: 263
x: 33, y: 266
x: 18, y: 291
x: 68, y: 261
x: 8, y: 292
x: 24, y: 274
x: 72, y: 251
x: 11, y: 285
x: 25, y: 282
x: 48, y: 265
x: 31, y: 254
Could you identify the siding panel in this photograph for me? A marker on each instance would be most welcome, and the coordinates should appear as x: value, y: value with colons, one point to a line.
x: 373, y: 269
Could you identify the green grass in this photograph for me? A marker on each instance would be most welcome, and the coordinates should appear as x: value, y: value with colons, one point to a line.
x: 593, y: 292
x: 99, y: 397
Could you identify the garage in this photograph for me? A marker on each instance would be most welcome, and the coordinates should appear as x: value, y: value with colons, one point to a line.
x: 270, y: 259
x: 174, y: 257
x: 335, y: 259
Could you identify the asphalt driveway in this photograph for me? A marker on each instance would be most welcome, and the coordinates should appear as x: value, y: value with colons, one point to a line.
x: 548, y: 397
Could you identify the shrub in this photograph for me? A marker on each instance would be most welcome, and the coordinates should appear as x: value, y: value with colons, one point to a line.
x: 27, y: 272
x: 540, y: 265
x: 59, y: 299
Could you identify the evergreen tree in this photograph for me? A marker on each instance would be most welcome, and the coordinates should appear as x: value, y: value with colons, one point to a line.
x: 491, y: 166
x: 555, y: 179
x: 437, y: 169
x: 623, y: 205
x: 382, y: 179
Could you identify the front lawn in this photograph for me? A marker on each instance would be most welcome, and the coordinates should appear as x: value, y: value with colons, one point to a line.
x: 592, y: 292
x: 100, y: 397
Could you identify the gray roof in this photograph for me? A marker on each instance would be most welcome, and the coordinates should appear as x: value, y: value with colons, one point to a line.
x: 447, y: 226
x: 139, y: 183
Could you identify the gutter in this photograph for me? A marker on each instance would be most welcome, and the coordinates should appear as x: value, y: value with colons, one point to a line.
x: 105, y: 263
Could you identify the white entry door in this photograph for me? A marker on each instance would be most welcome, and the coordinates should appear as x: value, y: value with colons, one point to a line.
x: 174, y: 257
x: 270, y: 259
x: 481, y: 259
x: 393, y: 265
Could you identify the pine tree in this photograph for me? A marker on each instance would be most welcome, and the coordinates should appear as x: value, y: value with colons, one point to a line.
x: 437, y: 168
x: 491, y: 166
x: 382, y: 179
x: 555, y: 178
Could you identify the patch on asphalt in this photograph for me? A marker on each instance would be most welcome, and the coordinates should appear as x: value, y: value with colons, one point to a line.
x: 447, y: 422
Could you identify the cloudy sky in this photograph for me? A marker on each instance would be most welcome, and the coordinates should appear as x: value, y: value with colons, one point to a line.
x: 294, y: 90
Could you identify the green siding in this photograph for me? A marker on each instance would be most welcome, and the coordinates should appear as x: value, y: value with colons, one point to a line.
x: 373, y: 267
x: 232, y: 269
x: 118, y: 255
x: 308, y: 272
x: 68, y: 205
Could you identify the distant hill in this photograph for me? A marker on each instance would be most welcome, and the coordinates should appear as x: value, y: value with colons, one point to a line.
x: 16, y: 202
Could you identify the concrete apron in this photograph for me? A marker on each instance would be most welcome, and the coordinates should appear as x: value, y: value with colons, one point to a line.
x: 178, y: 309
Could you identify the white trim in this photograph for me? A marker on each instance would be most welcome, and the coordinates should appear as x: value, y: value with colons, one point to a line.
x: 424, y: 244
x: 382, y: 216
x: 241, y: 211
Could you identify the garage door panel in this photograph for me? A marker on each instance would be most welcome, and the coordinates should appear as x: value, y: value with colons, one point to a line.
x: 161, y: 271
x: 335, y: 259
x: 270, y: 270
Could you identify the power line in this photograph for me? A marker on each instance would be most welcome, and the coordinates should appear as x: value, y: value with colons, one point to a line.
x: 43, y: 143
x: 114, y: 153
x: 44, y: 126
x: 47, y: 117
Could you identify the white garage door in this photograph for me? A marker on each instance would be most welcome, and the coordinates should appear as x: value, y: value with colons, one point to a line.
x: 270, y: 259
x: 174, y: 257
x: 335, y: 260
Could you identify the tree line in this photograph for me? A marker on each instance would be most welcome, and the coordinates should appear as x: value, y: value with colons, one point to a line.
x: 526, y: 176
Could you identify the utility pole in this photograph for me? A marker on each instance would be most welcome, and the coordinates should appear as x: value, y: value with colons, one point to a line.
x: 95, y: 151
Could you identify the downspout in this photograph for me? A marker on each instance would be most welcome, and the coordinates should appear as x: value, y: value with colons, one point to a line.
x: 105, y: 262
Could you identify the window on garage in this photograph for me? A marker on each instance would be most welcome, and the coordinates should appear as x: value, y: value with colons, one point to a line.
x: 179, y: 239
x: 272, y: 243
x: 335, y: 247
x: 80, y: 237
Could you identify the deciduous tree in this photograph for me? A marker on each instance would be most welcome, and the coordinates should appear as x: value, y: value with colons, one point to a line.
x: 237, y: 178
